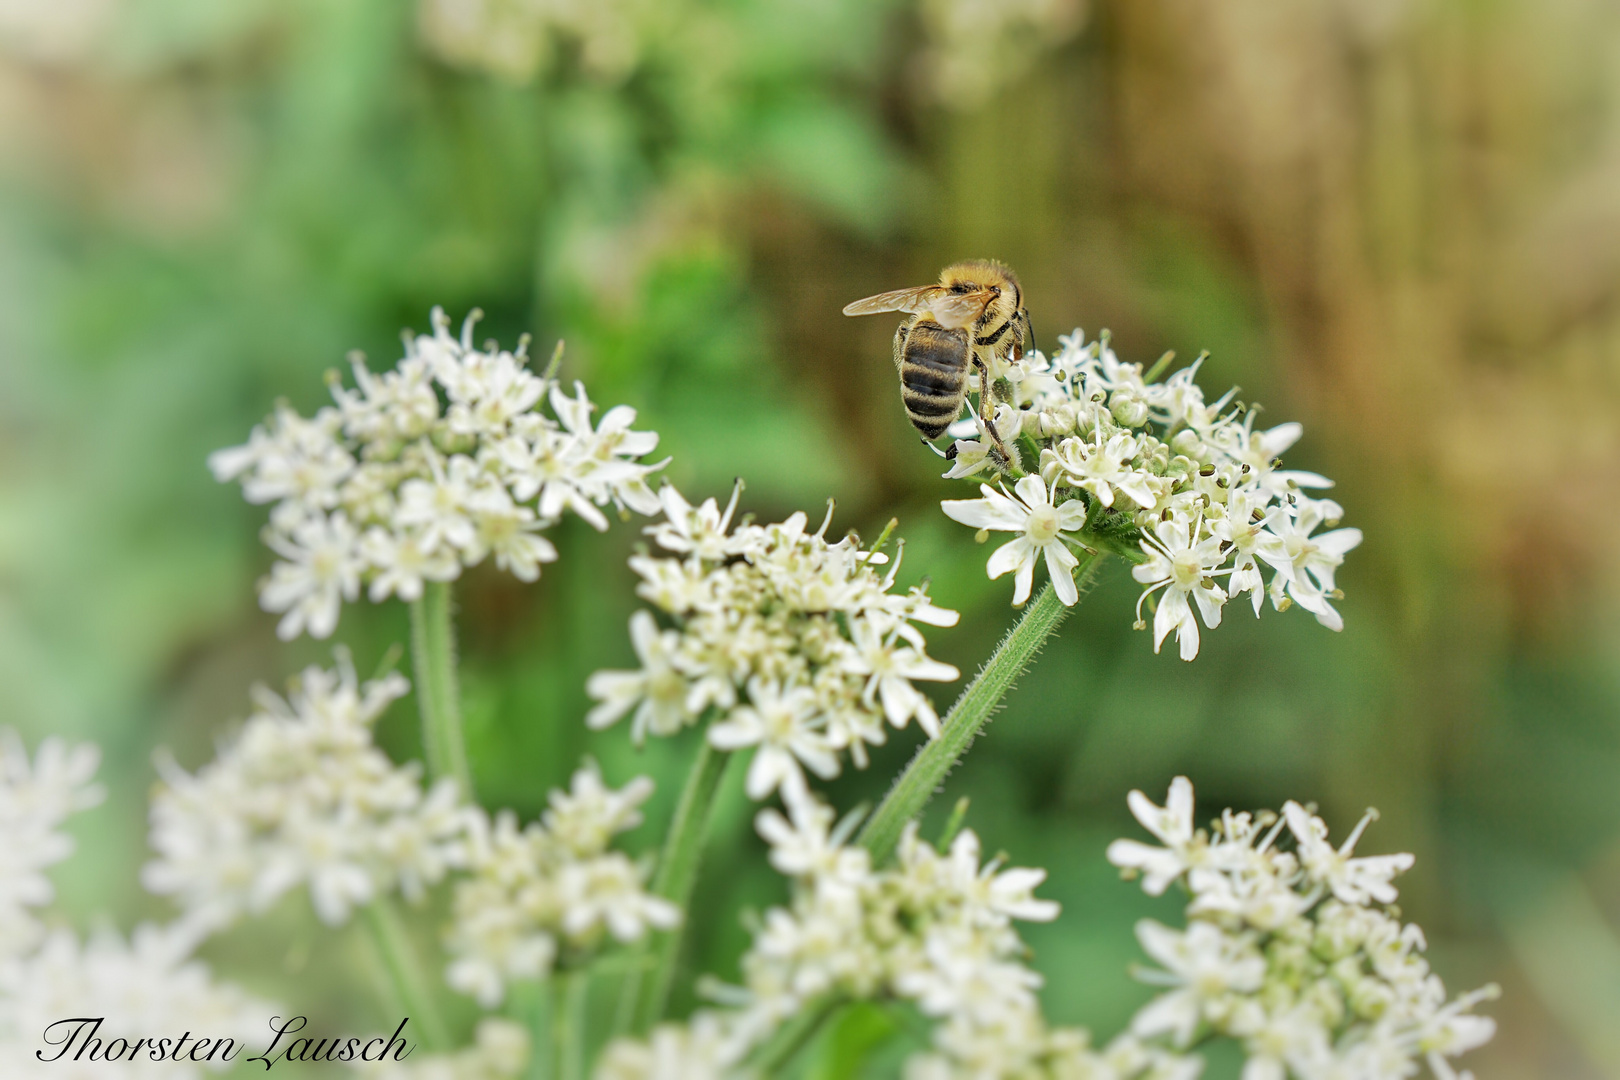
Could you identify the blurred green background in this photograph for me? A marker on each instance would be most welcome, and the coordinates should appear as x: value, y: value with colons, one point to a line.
x: 1395, y: 220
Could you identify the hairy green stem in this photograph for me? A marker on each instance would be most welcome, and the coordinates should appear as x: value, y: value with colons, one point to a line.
x: 917, y: 784
x: 405, y: 972
x: 433, y: 653
x: 972, y: 711
x: 646, y: 989
x: 570, y: 1037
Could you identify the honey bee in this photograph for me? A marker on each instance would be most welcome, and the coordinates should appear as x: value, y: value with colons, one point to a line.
x: 976, y: 311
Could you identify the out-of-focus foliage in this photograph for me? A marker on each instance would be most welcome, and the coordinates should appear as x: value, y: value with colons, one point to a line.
x: 1399, y: 222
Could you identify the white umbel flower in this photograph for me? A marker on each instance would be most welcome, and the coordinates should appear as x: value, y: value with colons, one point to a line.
x: 417, y: 473
x: 500, y: 1051
x: 1133, y: 465
x: 36, y: 797
x: 1029, y: 512
x: 145, y: 987
x: 1287, y: 952
x: 301, y: 797
x: 798, y: 647
x: 936, y: 930
x: 1184, y: 567
x: 536, y: 892
x: 1172, y: 824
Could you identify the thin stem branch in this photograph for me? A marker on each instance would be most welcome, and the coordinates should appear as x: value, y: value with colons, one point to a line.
x: 571, y: 1034
x: 438, y: 695
x: 773, y: 1058
x: 530, y: 1004
x: 972, y: 711
x: 405, y: 971
x: 645, y: 993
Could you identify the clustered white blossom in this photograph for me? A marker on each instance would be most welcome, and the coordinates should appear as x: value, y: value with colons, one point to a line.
x: 301, y: 796
x: 500, y: 1051
x: 934, y: 930
x: 1121, y: 463
x: 1292, y: 952
x: 421, y: 471
x: 973, y: 48
x: 535, y: 894
x: 518, y: 39
x: 35, y: 799
x: 146, y: 987
x: 796, y: 642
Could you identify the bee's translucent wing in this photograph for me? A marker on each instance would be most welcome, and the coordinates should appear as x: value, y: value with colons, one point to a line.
x: 910, y: 301
x: 958, y: 309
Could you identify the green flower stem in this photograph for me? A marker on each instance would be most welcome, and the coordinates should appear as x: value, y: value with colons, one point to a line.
x: 570, y: 1018
x: 645, y: 993
x: 530, y: 1004
x: 917, y: 784
x: 433, y: 653
x: 774, y: 1056
x: 405, y: 971
x: 972, y: 711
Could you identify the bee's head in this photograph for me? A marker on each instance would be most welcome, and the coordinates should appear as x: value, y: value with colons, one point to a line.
x: 996, y: 282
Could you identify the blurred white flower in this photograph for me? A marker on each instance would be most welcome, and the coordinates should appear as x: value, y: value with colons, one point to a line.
x: 35, y: 799
x: 148, y: 986
x: 301, y: 797
x: 1172, y: 824
x: 532, y: 893
x: 500, y: 1051
x: 419, y: 472
x: 973, y: 48
x: 703, y: 1048
x: 1204, y: 966
x: 1285, y: 952
x: 1354, y: 881
x: 322, y: 568
x: 935, y: 929
x: 518, y: 39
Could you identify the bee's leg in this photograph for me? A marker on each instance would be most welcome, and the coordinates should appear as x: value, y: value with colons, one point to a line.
x: 900, y: 343
x: 1025, y: 340
x: 987, y: 408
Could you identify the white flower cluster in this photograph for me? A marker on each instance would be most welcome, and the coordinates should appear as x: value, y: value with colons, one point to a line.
x: 146, y: 987
x: 1124, y: 463
x: 500, y: 1051
x: 934, y: 930
x: 798, y: 644
x: 1290, y: 951
x: 426, y: 469
x: 302, y: 796
x: 976, y: 47
x: 551, y: 887
x: 518, y: 39
x: 34, y: 801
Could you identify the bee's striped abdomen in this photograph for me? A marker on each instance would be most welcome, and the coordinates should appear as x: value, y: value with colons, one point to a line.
x: 933, y: 376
